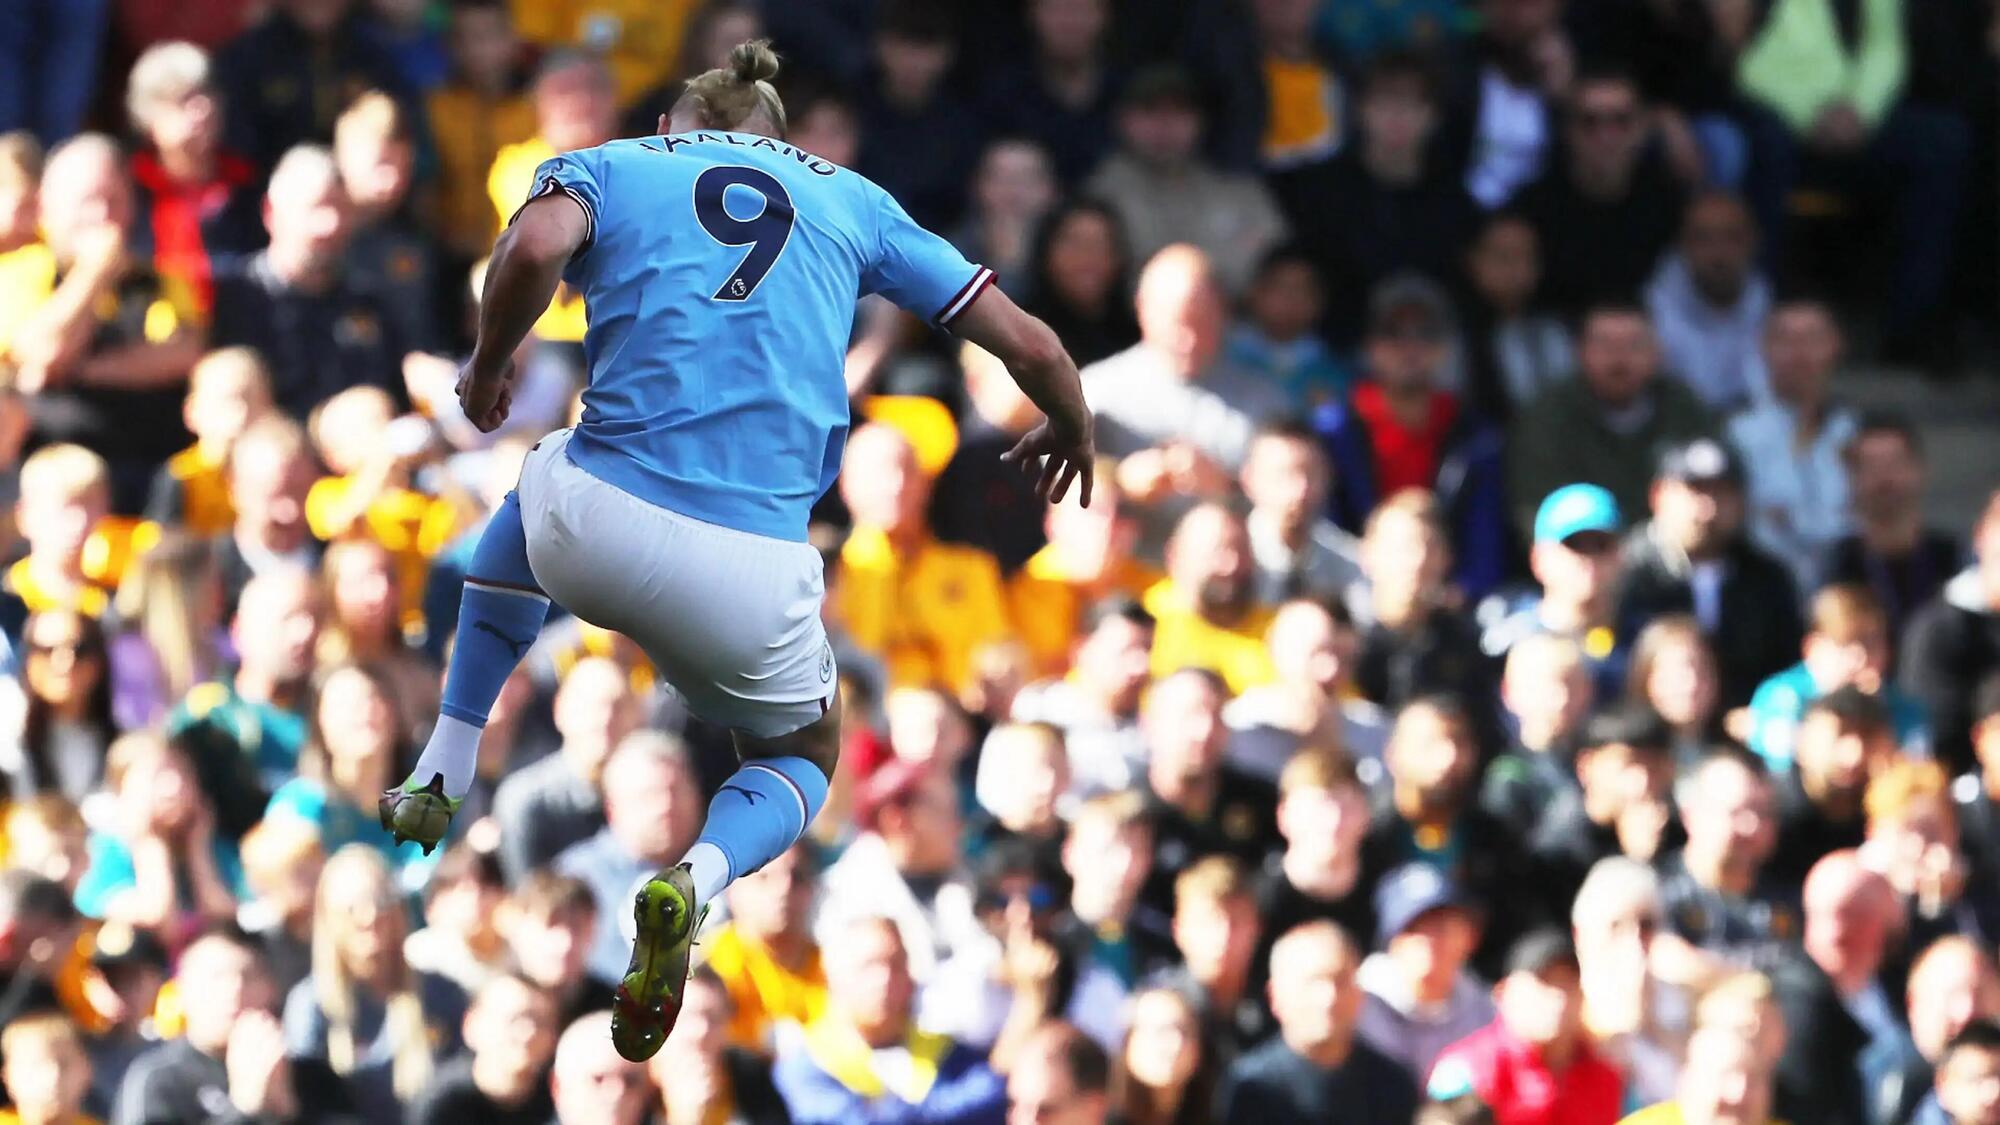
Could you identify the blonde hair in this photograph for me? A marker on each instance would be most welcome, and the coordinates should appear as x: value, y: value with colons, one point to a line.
x: 235, y: 360
x: 374, y: 116
x: 139, y: 746
x: 335, y: 991
x: 1654, y: 640
x: 20, y: 159
x: 51, y: 1029
x: 1215, y: 879
x: 1845, y: 612
x: 159, y: 598
x: 166, y: 72
x: 1419, y: 504
x: 51, y: 812
x: 71, y: 471
x: 1904, y: 784
x: 732, y: 95
x: 1318, y: 768
x: 284, y: 437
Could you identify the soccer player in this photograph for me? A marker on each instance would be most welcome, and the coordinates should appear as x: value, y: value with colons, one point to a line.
x: 720, y: 267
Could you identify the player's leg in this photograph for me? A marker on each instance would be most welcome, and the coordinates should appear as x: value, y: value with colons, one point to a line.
x: 500, y: 614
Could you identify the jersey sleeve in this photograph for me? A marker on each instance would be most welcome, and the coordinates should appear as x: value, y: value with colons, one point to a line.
x: 919, y: 271
x: 575, y: 174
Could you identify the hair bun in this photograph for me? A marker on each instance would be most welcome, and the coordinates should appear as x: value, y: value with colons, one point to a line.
x: 754, y: 61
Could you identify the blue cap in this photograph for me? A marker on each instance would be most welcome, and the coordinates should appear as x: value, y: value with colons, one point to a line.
x: 1408, y: 893
x: 1574, y: 509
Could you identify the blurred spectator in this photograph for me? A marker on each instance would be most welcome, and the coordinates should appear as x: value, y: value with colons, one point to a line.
x: 1062, y: 94
x: 1953, y: 983
x: 1029, y: 779
x: 1710, y: 304
x: 1836, y: 79
x: 1516, y: 69
x: 1178, y: 416
x: 1547, y: 695
x: 245, y: 733
x: 1723, y: 1080
x: 589, y: 1083
x: 67, y: 724
x: 1890, y: 550
x: 269, y: 475
x: 1843, y: 741
x: 1415, y: 642
x: 1012, y: 196
x: 1297, y: 551
x: 1694, y: 557
x: 550, y: 922
x: 390, y: 253
x: 1166, y: 1071
x: 510, y: 1036
x: 1796, y: 444
x: 1200, y: 804
x: 1420, y: 996
x: 282, y: 861
x: 1588, y: 429
x: 1096, y: 706
x: 41, y: 925
x: 1975, y: 794
x: 834, y: 1071
x: 51, y: 52
x: 921, y: 605
x: 1432, y: 816
x: 162, y: 867
x: 65, y: 492
x: 275, y: 102
x: 298, y: 302
x: 1065, y: 591
x: 765, y: 958
x: 1301, y: 96
x: 1061, y: 1077
x: 701, y: 1077
x: 363, y: 627
x: 827, y: 125
x: 1278, y: 335
x: 1534, y: 1063
x: 1633, y: 1013
x: 196, y: 201
x: 47, y: 836
x: 109, y: 339
x: 1515, y: 349
x: 1673, y: 673
x: 917, y: 137
x: 1846, y: 645
x: 1313, y: 701
x: 1315, y: 1069
x: 1107, y: 857
x: 549, y: 804
x: 1621, y: 804
x: 979, y: 500
x: 651, y: 815
x: 1953, y: 644
x: 1713, y: 890
x: 413, y: 41
x: 1968, y: 1079
x: 1403, y: 430
x: 352, y: 752
x: 47, y: 1073
x: 1607, y: 205
x: 229, y: 390
x: 904, y: 867
x: 1576, y: 562
x: 1384, y: 204
x: 1217, y: 933
x: 1323, y: 816
x: 1913, y: 841
x: 1206, y: 612
x: 460, y: 939
x: 478, y: 111
x: 363, y: 1011
x: 1079, y: 280
x: 24, y: 260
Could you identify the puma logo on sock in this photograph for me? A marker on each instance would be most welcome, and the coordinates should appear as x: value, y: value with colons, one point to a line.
x: 518, y: 647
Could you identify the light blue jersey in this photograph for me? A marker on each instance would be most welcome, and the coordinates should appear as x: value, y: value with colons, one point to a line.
x: 721, y: 272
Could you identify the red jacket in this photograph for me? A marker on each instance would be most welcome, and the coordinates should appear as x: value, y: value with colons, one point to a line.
x: 1510, y: 1077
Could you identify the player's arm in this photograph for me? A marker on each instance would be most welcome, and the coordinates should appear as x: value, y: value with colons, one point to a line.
x: 521, y: 280
x: 1037, y: 360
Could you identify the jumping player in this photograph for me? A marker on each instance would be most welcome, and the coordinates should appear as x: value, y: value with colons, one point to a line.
x: 720, y: 267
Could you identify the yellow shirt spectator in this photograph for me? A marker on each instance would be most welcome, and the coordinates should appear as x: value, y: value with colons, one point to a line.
x: 204, y: 491
x: 1048, y: 602
x: 509, y: 185
x: 1304, y: 122
x: 1183, y: 638
x: 410, y: 525
x: 763, y: 992
x: 470, y: 129
x: 27, y: 277
x: 924, y: 610
x: 640, y: 38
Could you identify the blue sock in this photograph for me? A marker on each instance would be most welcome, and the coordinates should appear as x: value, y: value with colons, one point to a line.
x: 500, y: 614
x: 759, y: 813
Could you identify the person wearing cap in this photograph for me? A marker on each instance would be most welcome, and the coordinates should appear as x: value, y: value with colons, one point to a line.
x: 1575, y: 564
x: 1167, y: 192
x: 1316, y: 1068
x: 1534, y: 1065
x: 1620, y: 802
x: 1694, y: 557
x: 1421, y: 998
x: 1401, y: 428
x: 1847, y: 646
x: 1600, y: 427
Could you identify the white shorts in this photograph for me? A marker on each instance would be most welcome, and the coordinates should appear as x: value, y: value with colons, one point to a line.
x: 729, y: 618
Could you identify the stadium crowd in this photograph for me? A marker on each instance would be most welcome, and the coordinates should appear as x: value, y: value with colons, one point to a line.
x: 1499, y: 679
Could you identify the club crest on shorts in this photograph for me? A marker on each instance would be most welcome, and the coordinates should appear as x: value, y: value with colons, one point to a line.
x: 825, y: 663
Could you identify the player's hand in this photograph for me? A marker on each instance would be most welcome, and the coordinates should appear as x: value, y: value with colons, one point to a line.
x: 486, y: 397
x: 1055, y: 460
